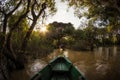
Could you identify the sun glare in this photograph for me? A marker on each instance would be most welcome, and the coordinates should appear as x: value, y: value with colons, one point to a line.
x: 43, y: 29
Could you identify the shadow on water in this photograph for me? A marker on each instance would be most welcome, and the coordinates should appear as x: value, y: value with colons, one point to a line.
x: 101, y: 64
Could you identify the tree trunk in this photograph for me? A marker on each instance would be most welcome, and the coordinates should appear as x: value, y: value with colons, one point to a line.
x: 12, y: 56
x: 9, y: 45
x: 35, y: 18
x: 3, y: 35
x: 3, y: 68
x: 27, y: 36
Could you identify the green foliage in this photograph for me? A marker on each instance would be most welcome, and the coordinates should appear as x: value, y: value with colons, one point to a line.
x: 12, y: 20
x: 18, y: 36
x: 98, y: 9
x: 59, y: 32
x: 42, y: 45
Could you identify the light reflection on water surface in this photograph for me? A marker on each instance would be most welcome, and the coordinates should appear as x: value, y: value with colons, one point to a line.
x: 101, y: 64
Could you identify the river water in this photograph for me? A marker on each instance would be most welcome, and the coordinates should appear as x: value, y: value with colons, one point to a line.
x: 101, y: 64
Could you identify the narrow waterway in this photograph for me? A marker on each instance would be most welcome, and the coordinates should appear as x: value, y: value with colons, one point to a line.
x: 101, y: 64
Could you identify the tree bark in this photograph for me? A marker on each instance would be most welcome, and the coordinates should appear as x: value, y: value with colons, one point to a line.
x: 19, y: 64
x: 25, y: 41
x: 3, y: 36
x: 35, y: 18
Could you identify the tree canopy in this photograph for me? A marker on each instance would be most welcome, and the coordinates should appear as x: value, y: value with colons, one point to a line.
x: 24, y: 15
x: 98, y: 10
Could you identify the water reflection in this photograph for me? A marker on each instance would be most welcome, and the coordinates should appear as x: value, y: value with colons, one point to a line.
x: 101, y: 64
x: 35, y: 67
x: 66, y: 53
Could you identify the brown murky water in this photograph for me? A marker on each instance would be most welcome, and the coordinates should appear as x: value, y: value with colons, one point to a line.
x: 101, y: 64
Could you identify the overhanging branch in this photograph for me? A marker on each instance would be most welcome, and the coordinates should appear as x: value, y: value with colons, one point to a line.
x: 15, y: 8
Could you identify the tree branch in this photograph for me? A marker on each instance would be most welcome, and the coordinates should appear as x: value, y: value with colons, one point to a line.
x: 15, y: 7
x: 2, y: 11
x: 22, y: 16
x: 32, y: 10
x: 36, y: 2
x: 42, y: 10
x: 29, y: 18
x: 35, y: 17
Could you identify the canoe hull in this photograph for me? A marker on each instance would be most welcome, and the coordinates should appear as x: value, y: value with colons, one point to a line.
x: 59, y: 68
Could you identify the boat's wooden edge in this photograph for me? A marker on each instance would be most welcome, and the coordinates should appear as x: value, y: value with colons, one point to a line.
x: 80, y: 72
x: 37, y: 76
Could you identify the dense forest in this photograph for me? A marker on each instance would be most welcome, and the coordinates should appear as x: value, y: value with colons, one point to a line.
x: 19, y: 39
